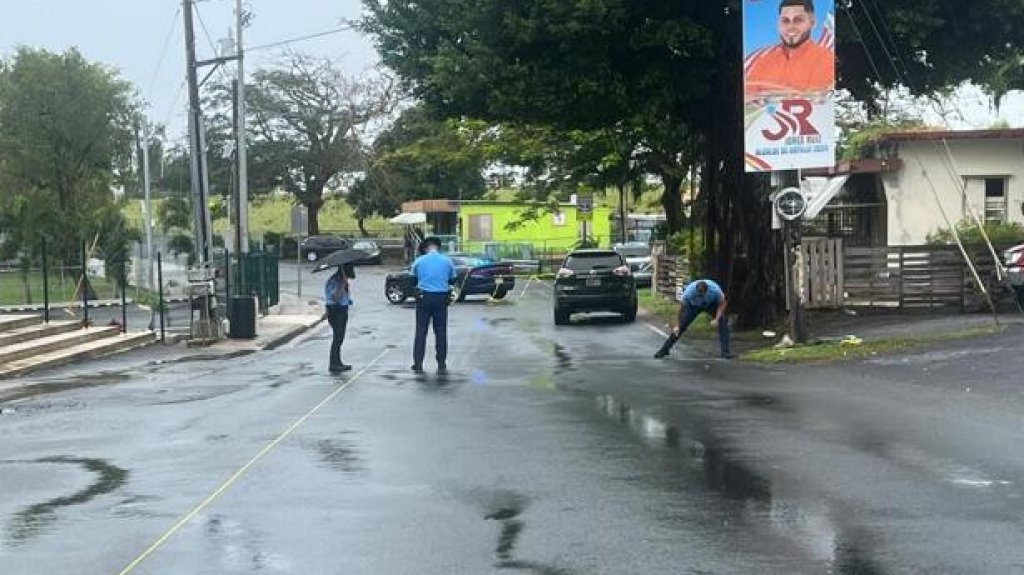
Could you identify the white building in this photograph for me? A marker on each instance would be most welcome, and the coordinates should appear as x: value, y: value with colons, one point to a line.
x: 920, y: 181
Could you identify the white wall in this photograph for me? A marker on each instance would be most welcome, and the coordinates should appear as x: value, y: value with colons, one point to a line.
x: 930, y: 177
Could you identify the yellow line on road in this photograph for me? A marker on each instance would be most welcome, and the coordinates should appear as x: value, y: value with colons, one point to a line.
x: 238, y: 474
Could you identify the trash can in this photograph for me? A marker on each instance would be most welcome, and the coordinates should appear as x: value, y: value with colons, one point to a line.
x: 243, y: 317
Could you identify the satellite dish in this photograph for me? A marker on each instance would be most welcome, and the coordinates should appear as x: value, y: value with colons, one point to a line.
x: 790, y: 204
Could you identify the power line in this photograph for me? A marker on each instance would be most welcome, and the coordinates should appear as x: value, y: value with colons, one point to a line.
x: 163, y: 53
x: 213, y: 45
x: 297, y: 39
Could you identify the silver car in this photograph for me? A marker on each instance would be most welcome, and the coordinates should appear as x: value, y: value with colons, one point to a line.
x: 638, y: 256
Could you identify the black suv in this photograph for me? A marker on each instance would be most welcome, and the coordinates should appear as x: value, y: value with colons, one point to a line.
x: 594, y: 280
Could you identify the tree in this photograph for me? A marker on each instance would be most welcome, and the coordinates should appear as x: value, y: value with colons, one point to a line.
x: 417, y: 157
x: 66, y: 125
x: 668, y: 73
x: 308, y: 122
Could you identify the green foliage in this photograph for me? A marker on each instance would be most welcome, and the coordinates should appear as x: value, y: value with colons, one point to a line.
x: 181, y: 243
x: 860, y: 143
x: 418, y: 158
x: 307, y: 118
x: 1000, y: 234
x: 174, y: 212
x: 66, y: 125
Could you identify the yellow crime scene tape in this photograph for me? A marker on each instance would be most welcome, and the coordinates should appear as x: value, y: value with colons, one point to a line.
x: 185, y: 519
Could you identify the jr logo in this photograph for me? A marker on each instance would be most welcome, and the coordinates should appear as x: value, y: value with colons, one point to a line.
x: 793, y: 118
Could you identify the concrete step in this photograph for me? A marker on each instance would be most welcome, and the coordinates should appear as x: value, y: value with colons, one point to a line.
x: 109, y: 345
x: 9, y: 322
x: 37, y: 331
x: 53, y: 343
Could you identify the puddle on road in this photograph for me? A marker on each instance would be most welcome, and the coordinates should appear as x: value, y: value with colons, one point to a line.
x: 32, y: 521
x: 808, y: 523
x: 339, y: 454
x: 48, y: 386
x: 192, y: 395
x: 563, y: 360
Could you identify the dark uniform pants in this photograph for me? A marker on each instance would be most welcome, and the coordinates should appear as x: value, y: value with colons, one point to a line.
x: 688, y: 313
x: 431, y: 308
x: 337, y: 316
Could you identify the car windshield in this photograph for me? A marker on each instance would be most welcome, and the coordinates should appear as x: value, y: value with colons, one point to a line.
x: 364, y: 246
x: 587, y: 262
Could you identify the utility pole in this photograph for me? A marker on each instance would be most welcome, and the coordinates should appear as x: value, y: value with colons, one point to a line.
x: 240, y: 147
x: 199, y: 191
x: 147, y: 189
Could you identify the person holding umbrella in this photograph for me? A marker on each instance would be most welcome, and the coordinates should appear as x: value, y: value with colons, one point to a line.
x: 434, y: 273
x: 337, y: 299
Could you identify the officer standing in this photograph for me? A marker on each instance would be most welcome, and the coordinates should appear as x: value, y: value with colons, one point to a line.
x: 701, y: 296
x: 434, y: 273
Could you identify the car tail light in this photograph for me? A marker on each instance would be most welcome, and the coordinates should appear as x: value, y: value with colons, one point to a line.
x: 564, y: 273
x: 622, y: 271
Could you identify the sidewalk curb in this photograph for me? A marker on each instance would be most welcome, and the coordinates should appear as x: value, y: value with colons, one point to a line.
x: 289, y: 335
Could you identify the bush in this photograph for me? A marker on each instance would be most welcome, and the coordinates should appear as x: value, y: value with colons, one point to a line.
x: 1002, y: 234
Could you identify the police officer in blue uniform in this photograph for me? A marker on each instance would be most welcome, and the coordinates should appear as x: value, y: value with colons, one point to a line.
x: 434, y: 273
x: 701, y: 296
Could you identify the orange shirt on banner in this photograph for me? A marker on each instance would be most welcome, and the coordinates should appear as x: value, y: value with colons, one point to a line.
x: 809, y: 68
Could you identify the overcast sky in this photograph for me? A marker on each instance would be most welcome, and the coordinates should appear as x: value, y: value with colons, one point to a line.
x: 133, y: 36
x: 144, y: 40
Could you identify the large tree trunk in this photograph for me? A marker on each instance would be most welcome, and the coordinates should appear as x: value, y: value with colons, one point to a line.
x: 361, y: 222
x: 672, y: 202
x: 313, y: 199
x: 741, y: 250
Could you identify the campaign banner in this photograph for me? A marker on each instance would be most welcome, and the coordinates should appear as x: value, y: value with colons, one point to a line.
x: 789, y: 84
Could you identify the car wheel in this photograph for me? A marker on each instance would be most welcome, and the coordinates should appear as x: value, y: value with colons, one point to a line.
x: 311, y: 256
x: 394, y: 293
x: 629, y: 316
x: 457, y: 293
x: 561, y: 317
x: 500, y: 293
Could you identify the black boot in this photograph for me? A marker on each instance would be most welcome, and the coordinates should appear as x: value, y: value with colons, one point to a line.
x: 672, y: 339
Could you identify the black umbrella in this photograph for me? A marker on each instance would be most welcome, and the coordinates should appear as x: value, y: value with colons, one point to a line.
x: 342, y: 258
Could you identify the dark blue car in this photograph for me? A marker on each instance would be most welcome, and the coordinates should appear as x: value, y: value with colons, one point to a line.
x: 476, y: 276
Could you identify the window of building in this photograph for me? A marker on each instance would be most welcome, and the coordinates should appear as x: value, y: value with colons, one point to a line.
x: 995, y: 199
x: 985, y: 198
x: 481, y: 227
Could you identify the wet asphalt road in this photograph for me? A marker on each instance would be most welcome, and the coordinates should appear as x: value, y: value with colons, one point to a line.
x: 546, y: 450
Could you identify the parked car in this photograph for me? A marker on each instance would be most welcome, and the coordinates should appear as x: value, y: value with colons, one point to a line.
x: 369, y: 247
x: 1014, y: 261
x: 316, y: 247
x: 638, y: 256
x: 475, y: 276
x: 594, y: 280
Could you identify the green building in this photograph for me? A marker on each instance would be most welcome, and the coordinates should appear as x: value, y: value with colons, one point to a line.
x: 505, y: 229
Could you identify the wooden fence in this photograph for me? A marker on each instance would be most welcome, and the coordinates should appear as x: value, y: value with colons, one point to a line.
x: 918, y: 278
x: 903, y: 278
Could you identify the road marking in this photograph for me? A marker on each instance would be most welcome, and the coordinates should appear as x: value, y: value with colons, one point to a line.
x: 656, y: 330
x: 526, y: 287
x: 238, y: 474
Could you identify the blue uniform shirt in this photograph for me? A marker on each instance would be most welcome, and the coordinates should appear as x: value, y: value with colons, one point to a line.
x: 433, y: 271
x: 342, y: 298
x: 712, y: 299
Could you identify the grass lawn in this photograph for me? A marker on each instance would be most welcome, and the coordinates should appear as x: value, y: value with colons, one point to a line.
x: 12, y: 288
x: 273, y: 214
x: 838, y: 351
